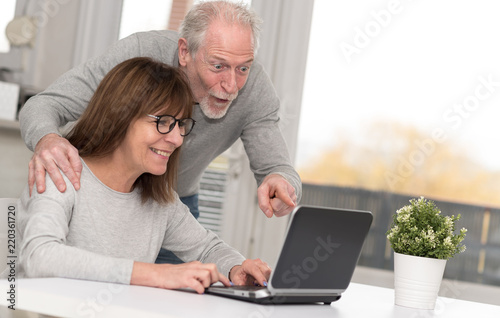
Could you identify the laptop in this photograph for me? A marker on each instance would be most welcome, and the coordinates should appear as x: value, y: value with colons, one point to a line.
x: 317, y: 259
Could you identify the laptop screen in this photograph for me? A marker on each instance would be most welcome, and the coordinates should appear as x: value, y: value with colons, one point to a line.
x: 321, y: 249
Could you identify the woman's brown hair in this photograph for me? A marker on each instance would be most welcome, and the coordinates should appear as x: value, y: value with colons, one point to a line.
x: 132, y: 89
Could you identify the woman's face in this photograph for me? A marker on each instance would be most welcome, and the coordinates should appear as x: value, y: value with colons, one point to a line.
x: 144, y: 149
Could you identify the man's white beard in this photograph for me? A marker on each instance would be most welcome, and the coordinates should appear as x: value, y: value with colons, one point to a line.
x: 217, y: 110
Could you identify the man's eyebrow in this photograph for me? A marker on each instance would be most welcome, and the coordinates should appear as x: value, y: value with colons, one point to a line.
x: 221, y: 59
x: 250, y: 60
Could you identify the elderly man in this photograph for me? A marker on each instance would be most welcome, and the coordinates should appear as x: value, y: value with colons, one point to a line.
x: 216, y: 49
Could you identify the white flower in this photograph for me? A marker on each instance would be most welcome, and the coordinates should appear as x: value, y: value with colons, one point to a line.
x: 402, y: 218
x: 447, y: 242
x: 448, y: 223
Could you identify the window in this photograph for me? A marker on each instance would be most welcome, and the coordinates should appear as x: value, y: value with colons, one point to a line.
x: 405, y: 95
x: 400, y: 100
x: 144, y: 15
x: 6, y: 15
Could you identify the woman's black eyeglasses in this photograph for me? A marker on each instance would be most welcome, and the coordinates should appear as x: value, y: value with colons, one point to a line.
x: 166, y: 123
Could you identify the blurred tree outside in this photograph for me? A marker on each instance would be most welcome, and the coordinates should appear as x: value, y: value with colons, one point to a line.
x: 399, y: 158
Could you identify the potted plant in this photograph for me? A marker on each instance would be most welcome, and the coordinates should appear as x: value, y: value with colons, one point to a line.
x: 422, y: 240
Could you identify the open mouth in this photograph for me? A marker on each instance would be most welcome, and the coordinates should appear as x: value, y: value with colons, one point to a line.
x: 221, y: 101
x: 223, y: 98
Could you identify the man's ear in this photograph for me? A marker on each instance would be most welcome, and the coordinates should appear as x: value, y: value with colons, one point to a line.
x: 184, y: 55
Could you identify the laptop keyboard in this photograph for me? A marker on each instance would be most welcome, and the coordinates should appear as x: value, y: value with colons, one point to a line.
x: 247, y: 288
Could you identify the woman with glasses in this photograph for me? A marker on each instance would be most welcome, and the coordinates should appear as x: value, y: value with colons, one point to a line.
x: 113, y: 227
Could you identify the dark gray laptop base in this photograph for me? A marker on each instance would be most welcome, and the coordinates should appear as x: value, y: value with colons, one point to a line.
x: 262, y: 295
x: 317, y: 260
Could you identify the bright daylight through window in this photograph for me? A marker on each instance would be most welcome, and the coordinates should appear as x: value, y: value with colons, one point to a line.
x: 6, y: 15
x: 401, y: 101
x: 407, y: 94
x: 144, y: 15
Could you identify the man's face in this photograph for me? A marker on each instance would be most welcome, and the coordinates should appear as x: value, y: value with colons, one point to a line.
x: 220, y: 68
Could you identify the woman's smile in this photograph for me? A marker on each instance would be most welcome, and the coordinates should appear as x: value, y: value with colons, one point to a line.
x: 161, y: 152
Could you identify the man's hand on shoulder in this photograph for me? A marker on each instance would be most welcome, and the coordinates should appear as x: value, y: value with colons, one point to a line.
x: 52, y: 153
x: 276, y: 196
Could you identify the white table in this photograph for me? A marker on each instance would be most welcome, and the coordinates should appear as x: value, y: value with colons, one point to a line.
x: 77, y: 298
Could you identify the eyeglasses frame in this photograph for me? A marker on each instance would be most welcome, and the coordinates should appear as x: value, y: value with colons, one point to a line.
x: 176, y: 122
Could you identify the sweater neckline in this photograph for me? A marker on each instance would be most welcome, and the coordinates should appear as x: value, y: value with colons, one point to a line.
x: 132, y: 195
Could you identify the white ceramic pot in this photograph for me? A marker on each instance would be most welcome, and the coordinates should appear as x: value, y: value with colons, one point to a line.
x: 417, y: 280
